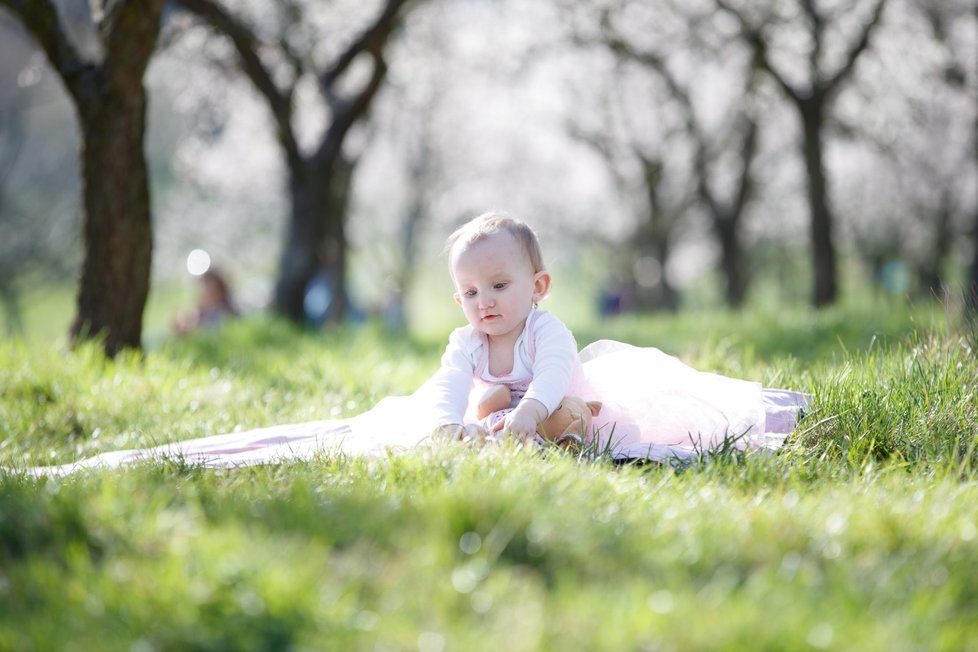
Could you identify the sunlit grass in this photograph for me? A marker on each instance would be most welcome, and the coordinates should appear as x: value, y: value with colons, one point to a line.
x: 861, y: 534
x: 59, y: 406
x: 500, y: 551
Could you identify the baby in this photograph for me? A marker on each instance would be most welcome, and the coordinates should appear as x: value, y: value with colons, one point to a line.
x: 499, y: 276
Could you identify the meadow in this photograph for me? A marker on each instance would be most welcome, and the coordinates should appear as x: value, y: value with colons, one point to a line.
x: 862, y: 533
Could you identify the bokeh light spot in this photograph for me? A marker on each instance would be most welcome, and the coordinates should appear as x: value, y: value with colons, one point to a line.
x: 198, y: 262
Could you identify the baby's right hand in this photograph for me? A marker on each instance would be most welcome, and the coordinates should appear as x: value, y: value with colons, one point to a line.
x: 449, y: 432
x: 471, y: 434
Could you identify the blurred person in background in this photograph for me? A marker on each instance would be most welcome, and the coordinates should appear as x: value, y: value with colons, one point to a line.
x: 215, y: 305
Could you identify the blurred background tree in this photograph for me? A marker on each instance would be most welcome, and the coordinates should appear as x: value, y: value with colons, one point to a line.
x: 288, y: 51
x: 816, y: 60
x: 948, y: 21
x: 666, y: 43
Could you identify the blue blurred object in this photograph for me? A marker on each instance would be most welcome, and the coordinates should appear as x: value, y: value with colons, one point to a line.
x: 318, y: 298
x: 895, y: 277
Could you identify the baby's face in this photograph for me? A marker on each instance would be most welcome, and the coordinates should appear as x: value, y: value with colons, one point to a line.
x: 496, y: 286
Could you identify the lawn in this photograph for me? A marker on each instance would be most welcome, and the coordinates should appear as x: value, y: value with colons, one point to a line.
x: 861, y: 534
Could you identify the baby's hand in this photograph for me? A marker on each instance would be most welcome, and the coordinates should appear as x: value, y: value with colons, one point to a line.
x: 449, y: 432
x: 472, y: 433
x: 522, y: 422
x: 519, y: 425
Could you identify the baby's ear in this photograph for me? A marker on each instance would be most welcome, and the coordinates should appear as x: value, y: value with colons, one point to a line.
x: 541, y: 285
x: 458, y: 298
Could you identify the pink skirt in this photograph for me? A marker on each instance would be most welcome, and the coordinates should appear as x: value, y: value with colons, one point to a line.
x: 653, y: 400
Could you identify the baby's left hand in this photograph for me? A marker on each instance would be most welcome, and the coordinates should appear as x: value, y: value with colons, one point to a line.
x: 522, y: 422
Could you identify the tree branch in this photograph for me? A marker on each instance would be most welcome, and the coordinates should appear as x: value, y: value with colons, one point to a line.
x: 857, y: 49
x: 745, y: 184
x: 293, y: 13
x: 346, y: 115
x: 246, y: 44
x: 130, y: 35
x: 109, y: 12
x: 701, y: 158
x: 41, y: 19
x: 599, y: 142
x: 347, y: 112
x: 954, y: 72
x: 372, y: 39
x: 818, y: 28
x: 757, y: 43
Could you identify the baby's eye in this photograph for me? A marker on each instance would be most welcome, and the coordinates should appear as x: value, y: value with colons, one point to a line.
x: 470, y: 293
x: 499, y: 286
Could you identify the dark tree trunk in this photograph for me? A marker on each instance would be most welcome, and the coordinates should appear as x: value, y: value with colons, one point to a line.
x: 667, y: 295
x: 823, y: 248
x: 971, y: 291
x: 731, y: 262
x: 335, y: 248
x: 110, y: 102
x: 653, y: 238
x: 10, y: 299
x: 930, y: 272
x: 118, y: 232
x: 316, y: 246
x: 727, y: 219
x: 971, y: 284
x: 298, y: 263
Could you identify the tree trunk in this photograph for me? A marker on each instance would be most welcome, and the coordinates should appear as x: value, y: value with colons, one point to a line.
x: 653, y: 240
x: 971, y: 283
x: 314, y: 258
x: 334, y: 248
x: 971, y: 287
x: 668, y: 296
x: 823, y: 247
x: 110, y: 102
x: 731, y: 262
x: 10, y: 298
x: 930, y: 272
x: 118, y: 232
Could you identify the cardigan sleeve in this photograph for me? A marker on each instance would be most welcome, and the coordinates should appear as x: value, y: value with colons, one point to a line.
x: 452, y: 382
x: 553, y: 362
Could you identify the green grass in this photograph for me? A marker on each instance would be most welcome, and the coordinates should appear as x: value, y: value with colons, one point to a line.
x: 861, y: 534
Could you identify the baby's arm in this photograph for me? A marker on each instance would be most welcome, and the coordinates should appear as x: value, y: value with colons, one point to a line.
x: 553, y: 363
x: 553, y: 368
x: 450, y: 388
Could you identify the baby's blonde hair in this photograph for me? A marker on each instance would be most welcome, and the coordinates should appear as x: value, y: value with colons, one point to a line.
x: 493, y: 222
